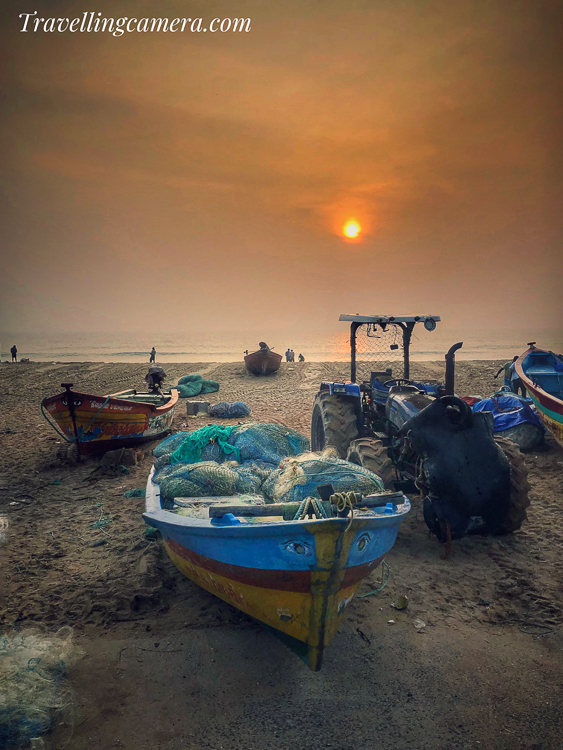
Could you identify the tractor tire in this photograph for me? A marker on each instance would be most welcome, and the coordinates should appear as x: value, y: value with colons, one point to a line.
x: 519, y: 487
x: 372, y: 455
x: 334, y: 423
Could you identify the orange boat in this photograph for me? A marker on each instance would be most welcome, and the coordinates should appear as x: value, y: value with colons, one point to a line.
x: 101, y: 423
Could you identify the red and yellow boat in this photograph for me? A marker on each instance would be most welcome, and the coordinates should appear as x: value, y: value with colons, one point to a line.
x: 101, y: 423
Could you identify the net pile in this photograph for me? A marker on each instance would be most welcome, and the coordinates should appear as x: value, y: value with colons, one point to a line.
x: 189, y: 465
x: 193, y: 385
x: 298, y: 477
x: 32, y: 683
x: 268, y: 442
x: 229, y: 410
x: 202, y: 479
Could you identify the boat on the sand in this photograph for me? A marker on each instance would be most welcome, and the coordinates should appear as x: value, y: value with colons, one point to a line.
x: 263, y: 362
x: 541, y: 372
x: 297, y: 576
x: 100, y: 423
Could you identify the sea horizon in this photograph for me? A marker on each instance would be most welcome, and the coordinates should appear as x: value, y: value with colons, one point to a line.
x: 228, y: 346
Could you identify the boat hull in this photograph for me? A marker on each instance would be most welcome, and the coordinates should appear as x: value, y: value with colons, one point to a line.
x: 295, y: 576
x: 534, y: 375
x: 263, y: 363
x: 101, y: 423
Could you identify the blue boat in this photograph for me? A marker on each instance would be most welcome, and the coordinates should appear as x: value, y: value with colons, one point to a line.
x: 297, y: 576
x: 541, y: 372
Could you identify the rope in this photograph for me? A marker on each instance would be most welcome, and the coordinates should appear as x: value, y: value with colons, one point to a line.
x: 310, y: 505
x: 385, y: 569
x: 64, y: 437
x: 344, y: 500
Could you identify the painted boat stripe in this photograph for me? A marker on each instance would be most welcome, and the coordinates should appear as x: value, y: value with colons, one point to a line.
x: 281, y: 580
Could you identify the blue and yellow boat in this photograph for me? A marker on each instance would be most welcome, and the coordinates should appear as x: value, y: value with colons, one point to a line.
x: 296, y: 576
x: 541, y: 371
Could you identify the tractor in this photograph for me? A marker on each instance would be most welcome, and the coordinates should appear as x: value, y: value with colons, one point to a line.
x: 419, y: 436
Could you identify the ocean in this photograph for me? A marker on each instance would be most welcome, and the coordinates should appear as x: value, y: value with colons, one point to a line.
x: 229, y: 346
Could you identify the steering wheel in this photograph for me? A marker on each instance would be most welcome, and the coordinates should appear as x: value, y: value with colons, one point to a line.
x: 464, y: 411
x: 398, y: 381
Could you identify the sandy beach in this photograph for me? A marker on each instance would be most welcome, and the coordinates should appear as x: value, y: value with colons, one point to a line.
x: 169, y: 666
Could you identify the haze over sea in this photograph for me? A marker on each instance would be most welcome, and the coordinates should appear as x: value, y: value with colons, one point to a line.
x: 229, y: 346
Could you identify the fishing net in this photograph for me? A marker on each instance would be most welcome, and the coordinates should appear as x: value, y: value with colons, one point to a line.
x: 201, y: 463
x: 193, y: 385
x: 188, y: 379
x: 251, y: 476
x: 190, y: 450
x: 267, y: 442
x: 169, y: 445
x: 297, y: 478
x: 32, y: 683
x: 227, y: 410
x: 206, y: 478
x: 209, y: 386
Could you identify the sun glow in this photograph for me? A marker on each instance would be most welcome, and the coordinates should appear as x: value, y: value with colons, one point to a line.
x: 352, y: 229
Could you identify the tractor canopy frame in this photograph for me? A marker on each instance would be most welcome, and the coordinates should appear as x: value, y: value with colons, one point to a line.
x: 405, y: 323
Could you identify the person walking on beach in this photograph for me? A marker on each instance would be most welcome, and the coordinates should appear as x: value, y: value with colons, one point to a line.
x: 153, y: 355
x: 507, y: 367
x: 14, y: 353
x: 516, y: 382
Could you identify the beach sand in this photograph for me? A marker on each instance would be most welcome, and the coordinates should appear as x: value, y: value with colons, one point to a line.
x: 167, y: 665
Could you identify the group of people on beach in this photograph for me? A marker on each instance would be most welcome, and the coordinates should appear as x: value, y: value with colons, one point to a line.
x: 511, y: 377
x: 290, y: 356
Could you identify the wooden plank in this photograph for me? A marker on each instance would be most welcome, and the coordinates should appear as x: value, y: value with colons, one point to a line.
x: 278, y: 509
x: 275, y: 509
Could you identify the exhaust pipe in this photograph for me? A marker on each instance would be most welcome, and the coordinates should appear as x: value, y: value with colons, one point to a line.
x: 450, y: 368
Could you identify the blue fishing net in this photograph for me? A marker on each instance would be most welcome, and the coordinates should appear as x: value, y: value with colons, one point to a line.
x: 229, y: 410
x: 268, y: 442
x: 169, y: 444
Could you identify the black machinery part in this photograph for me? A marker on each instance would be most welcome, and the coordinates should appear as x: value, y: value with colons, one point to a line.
x: 466, y: 475
x: 398, y: 382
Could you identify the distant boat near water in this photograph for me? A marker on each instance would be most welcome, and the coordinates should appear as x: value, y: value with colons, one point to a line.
x: 263, y: 362
x: 541, y: 372
x: 100, y: 423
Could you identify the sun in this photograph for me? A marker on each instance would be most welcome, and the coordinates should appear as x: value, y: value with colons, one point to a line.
x: 352, y: 229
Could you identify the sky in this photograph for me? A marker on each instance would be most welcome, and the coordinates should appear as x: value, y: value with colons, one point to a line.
x: 185, y: 181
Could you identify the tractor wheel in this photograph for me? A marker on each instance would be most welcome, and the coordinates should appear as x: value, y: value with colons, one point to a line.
x: 334, y: 423
x: 519, y: 487
x: 372, y: 455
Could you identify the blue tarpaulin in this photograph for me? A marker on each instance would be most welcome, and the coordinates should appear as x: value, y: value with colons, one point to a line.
x: 508, y: 411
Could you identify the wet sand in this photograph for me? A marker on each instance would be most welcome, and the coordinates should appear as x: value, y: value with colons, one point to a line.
x: 170, y: 666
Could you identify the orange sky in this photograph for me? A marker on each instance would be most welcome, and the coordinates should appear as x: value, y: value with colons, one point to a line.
x: 158, y: 180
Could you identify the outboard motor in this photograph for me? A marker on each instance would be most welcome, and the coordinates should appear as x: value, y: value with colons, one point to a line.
x: 155, y: 378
